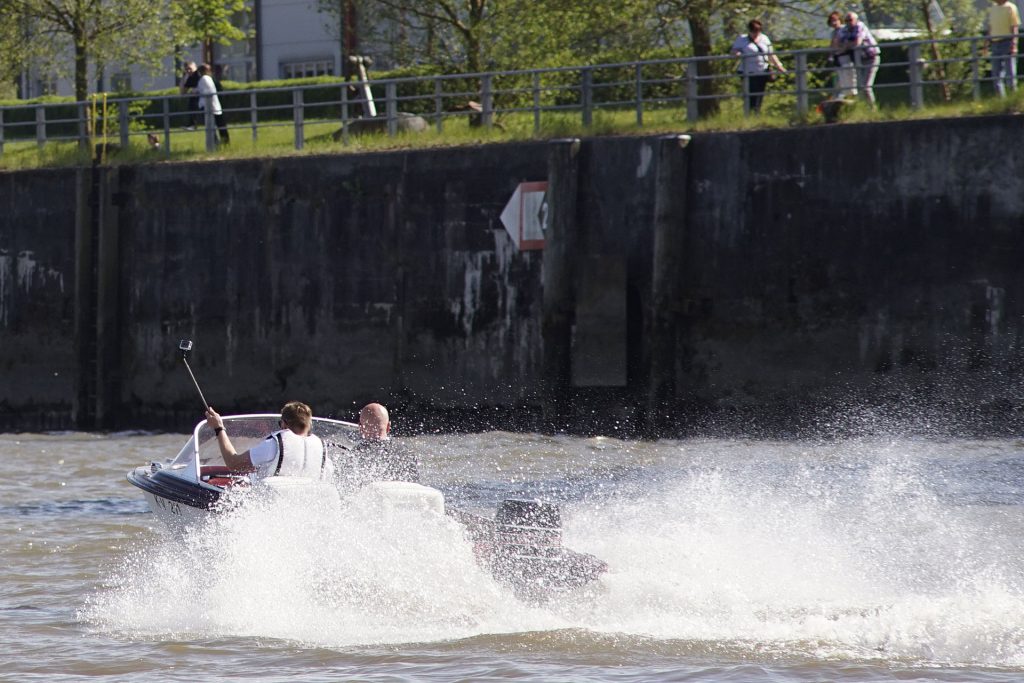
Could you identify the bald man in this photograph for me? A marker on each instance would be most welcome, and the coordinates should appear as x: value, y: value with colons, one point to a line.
x: 378, y: 457
x: 374, y: 422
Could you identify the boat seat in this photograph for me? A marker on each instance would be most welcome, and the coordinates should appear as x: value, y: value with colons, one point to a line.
x: 220, y: 475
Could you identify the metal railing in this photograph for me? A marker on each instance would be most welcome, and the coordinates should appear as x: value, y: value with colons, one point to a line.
x: 911, y: 73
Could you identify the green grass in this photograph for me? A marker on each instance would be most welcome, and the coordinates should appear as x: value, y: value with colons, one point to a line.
x: 277, y: 139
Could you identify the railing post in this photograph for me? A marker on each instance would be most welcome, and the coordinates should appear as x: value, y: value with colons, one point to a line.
x: 391, y: 107
x: 746, y: 93
x: 638, y: 74
x: 536, y: 101
x: 801, y: 84
x: 975, y: 72
x: 83, y: 125
x: 208, y: 123
x: 916, y: 76
x: 298, y: 117
x: 587, y: 95
x: 344, y: 114
x: 487, y: 100
x: 40, y: 126
x: 122, y: 122
x: 167, y: 125
x: 438, y: 105
x: 692, y: 95
x: 254, y: 118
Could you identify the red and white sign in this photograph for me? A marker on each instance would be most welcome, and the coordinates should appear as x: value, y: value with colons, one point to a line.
x: 525, y: 215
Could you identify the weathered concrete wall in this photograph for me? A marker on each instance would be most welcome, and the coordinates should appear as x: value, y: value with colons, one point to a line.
x: 857, y: 263
x: 38, y: 365
x: 751, y: 280
x: 334, y: 280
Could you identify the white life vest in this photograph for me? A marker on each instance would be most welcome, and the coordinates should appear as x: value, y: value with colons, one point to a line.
x: 299, y: 456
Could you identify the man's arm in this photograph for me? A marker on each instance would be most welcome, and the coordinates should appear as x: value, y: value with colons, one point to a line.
x: 239, y: 462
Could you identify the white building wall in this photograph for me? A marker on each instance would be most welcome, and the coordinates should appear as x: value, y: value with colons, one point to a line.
x: 291, y: 36
x: 296, y: 41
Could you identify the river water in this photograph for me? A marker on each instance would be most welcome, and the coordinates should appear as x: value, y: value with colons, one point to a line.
x: 861, y: 559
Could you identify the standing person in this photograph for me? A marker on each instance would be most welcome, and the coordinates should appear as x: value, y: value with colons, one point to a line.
x: 207, y: 90
x: 292, y: 451
x: 846, y: 73
x: 756, y: 61
x: 378, y: 457
x: 187, y: 86
x: 862, y: 49
x: 1002, y: 23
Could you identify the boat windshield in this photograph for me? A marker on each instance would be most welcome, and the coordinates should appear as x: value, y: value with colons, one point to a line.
x: 248, y: 430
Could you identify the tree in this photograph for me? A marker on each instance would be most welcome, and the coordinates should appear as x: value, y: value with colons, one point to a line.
x: 957, y: 17
x: 11, y: 61
x: 703, y: 16
x: 86, y: 31
x: 210, y: 21
x: 478, y: 35
x: 420, y: 24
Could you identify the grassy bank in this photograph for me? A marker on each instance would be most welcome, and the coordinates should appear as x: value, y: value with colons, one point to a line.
x: 278, y: 139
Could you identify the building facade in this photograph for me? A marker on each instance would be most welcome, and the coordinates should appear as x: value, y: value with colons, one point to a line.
x: 288, y: 39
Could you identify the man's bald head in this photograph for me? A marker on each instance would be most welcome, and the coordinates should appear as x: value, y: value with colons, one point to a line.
x: 374, y: 422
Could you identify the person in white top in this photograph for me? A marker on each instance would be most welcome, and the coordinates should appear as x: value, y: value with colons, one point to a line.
x: 291, y: 451
x: 207, y: 90
x: 758, y: 63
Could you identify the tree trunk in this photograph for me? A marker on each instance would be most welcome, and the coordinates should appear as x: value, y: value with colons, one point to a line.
x: 81, y: 70
x: 474, y: 49
x: 707, y: 86
x: 349, y: 36
x: 940, y: 68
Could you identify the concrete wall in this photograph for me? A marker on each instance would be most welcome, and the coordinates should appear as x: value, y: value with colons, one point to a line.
x: 759, y: 281
x: 334, y: 280
x: 38, y: 364
x: 857, y: 263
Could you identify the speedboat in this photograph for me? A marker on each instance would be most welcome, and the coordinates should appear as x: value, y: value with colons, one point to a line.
x: 521, y: 546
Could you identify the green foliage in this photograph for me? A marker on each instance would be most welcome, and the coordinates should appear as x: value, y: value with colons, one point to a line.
x: 67, y: 38
x: 478, y: 35
x: 960, y: 17
x: 209, y: 21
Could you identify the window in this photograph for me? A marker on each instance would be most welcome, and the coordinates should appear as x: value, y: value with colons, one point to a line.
x: 308, y: 69
x: 46, y: 85
x: 121, y: 81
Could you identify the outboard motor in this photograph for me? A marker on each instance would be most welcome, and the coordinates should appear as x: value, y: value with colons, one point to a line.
x: 529, y: 528
x: 527, y: 545
x: 522, y: 547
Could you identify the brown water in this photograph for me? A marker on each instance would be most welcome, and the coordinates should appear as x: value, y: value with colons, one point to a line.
x: 857, y: 560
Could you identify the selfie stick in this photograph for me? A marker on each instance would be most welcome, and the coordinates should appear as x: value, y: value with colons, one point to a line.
x: 185, y: 345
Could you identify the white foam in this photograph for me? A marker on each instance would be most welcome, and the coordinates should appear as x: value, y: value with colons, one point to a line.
x: 313, y: 570
x: 847, y: 551
x: 850, y: 559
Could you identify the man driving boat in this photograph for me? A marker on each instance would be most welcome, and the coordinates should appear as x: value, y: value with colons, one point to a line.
x: 292, y: 451
x: 378, y: 457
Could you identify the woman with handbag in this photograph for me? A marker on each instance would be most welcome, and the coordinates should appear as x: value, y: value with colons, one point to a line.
x: 758, y: 63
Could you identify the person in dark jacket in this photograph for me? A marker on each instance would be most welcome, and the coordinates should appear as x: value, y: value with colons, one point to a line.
x: 187, y: 86
x: 378, y: 457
